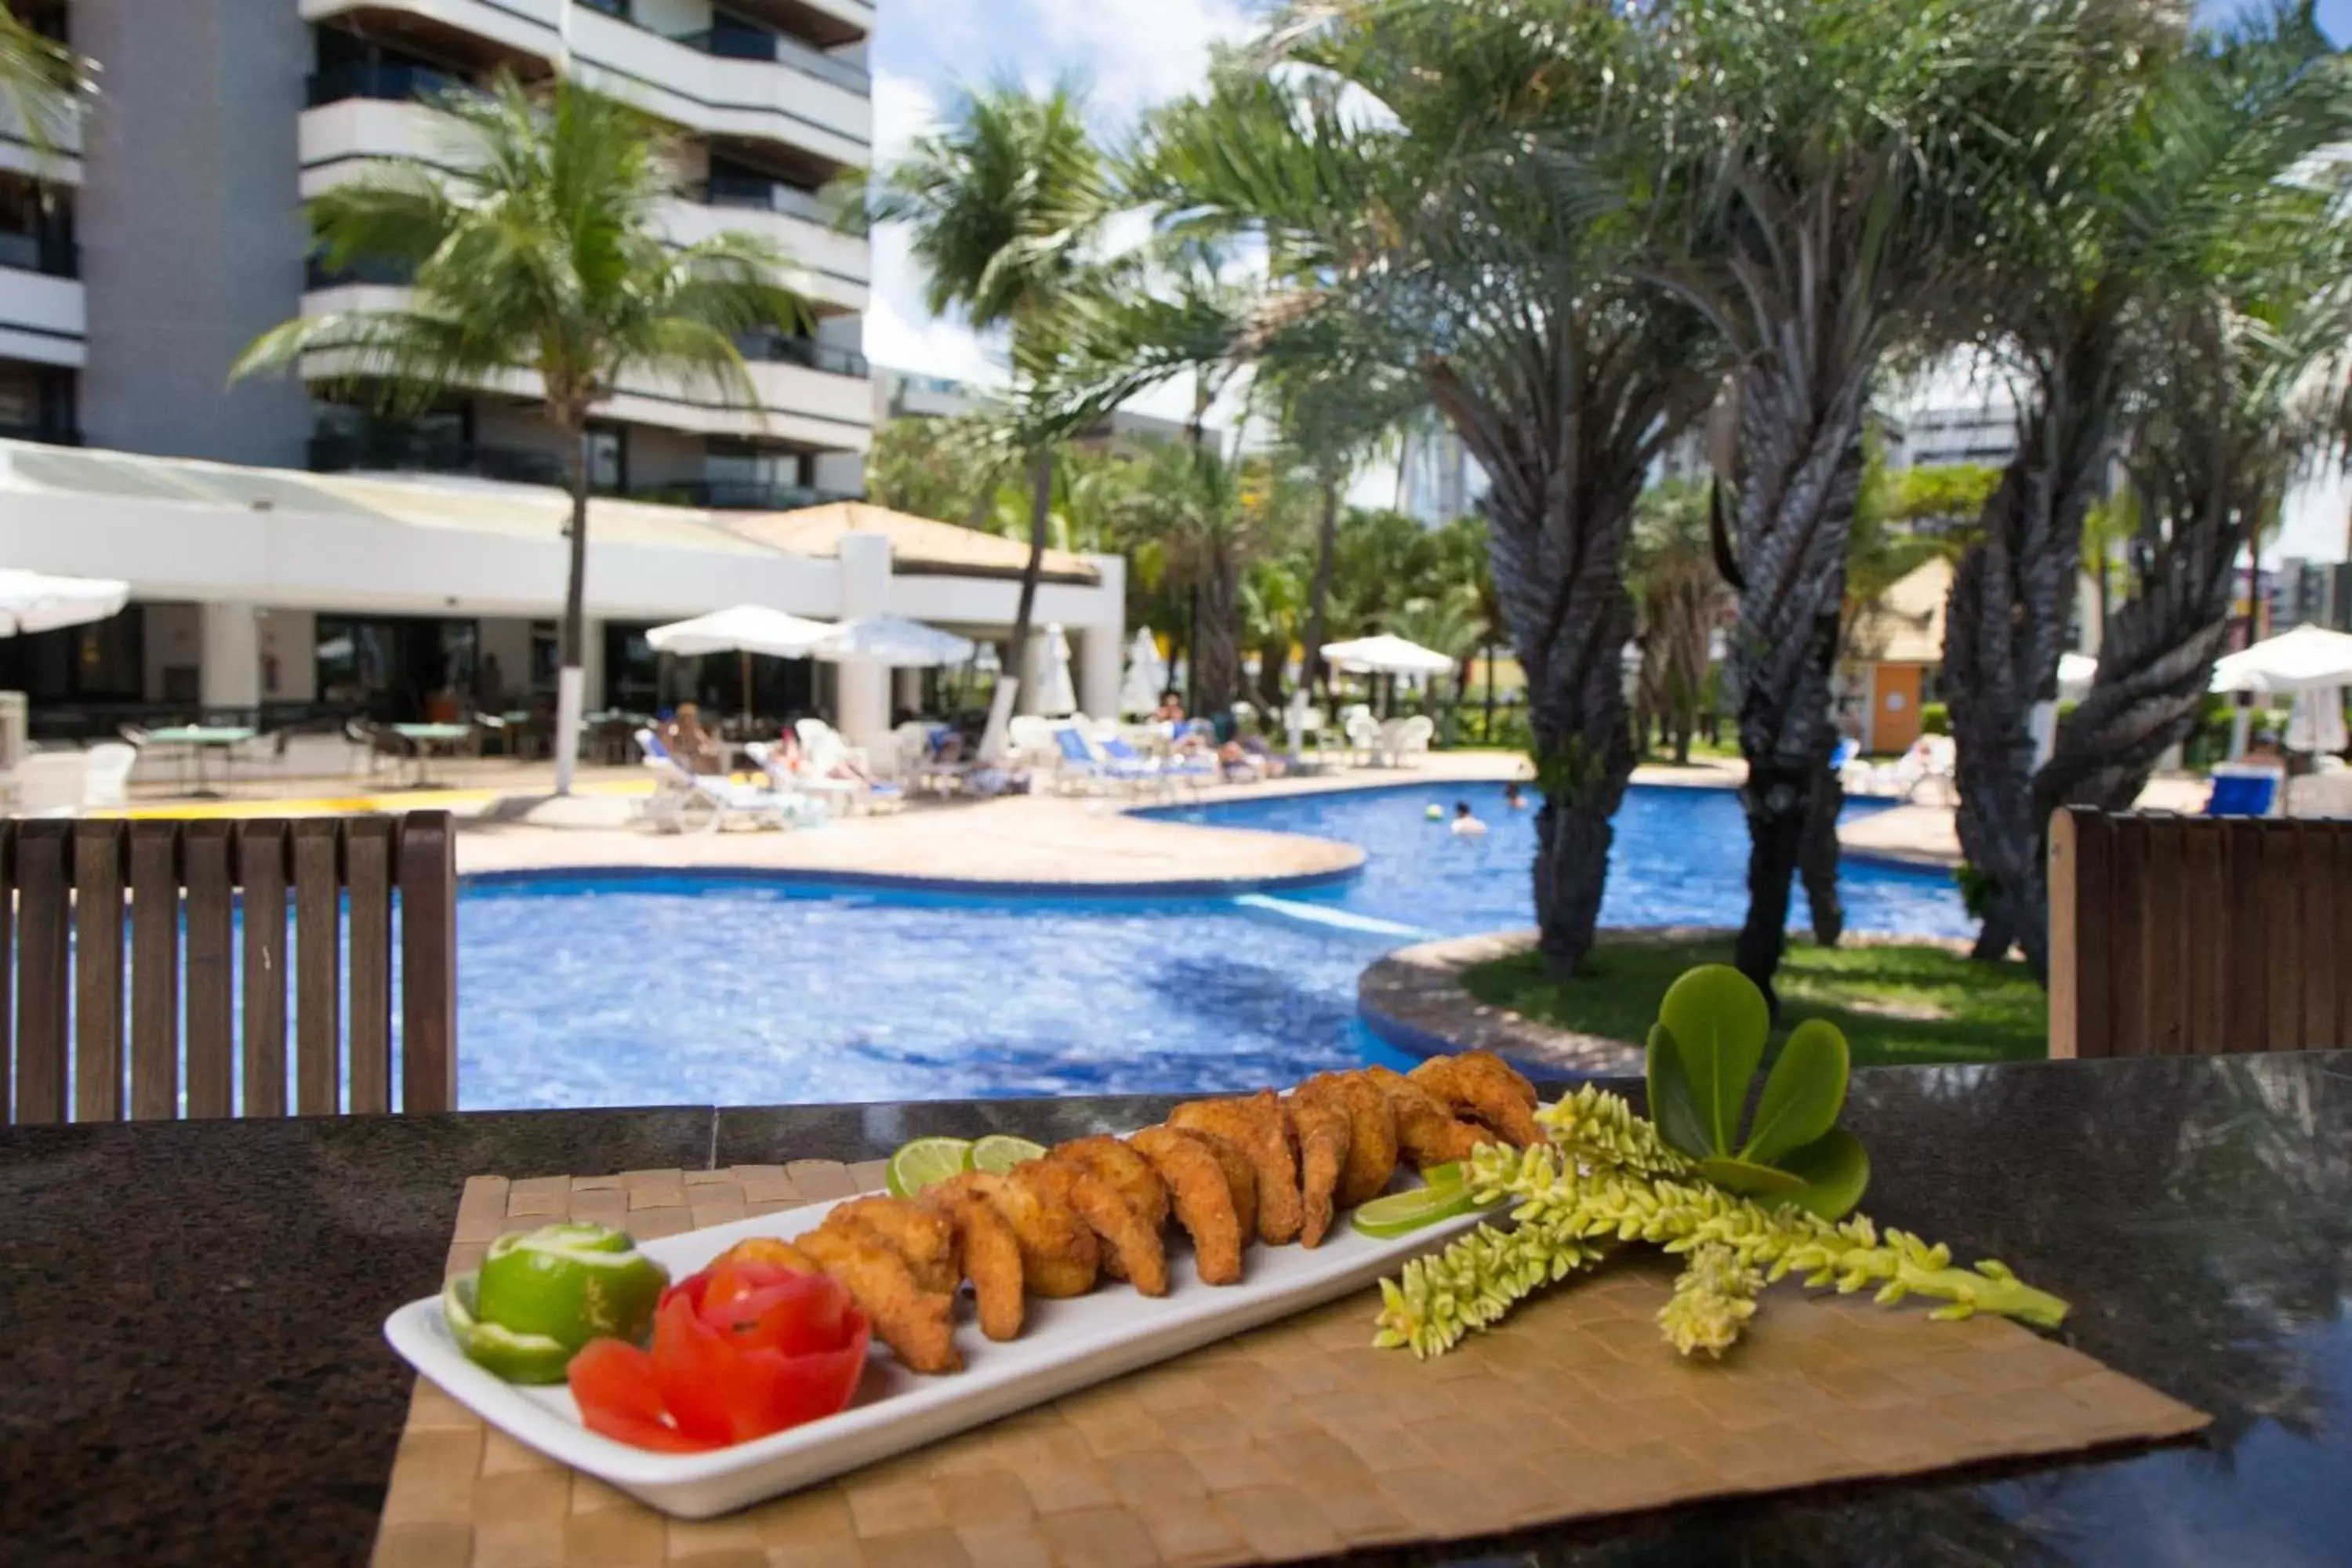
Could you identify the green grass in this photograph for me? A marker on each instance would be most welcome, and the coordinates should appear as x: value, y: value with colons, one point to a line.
x: 1897, y: 1005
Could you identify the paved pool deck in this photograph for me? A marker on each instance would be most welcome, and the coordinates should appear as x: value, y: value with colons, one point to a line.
x: 510, y: 821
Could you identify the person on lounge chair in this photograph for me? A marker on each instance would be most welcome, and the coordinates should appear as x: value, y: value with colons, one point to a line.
x: 690, y: 743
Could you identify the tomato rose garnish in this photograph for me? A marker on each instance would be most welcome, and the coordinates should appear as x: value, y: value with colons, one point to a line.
x: 739, y: 1351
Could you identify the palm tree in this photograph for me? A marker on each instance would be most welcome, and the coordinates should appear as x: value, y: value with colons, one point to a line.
x: 2160, y: 233
x: 1680, y: 597
x: 41, y: 82
x: 1467, y: 233
x: 1191, y: 504
x: 1824, y: 155
x: 1005, y: 202
x: 537, y: 250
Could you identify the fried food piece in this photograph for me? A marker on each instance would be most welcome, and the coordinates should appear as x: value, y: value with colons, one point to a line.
x: 1427, y: 1133
x: 1241, y: 1176
x: 768, y: 1249
x: 1128, y: 1172
x: 1195, y: 1174
x: 1321, y: 1129
x: 988, y: 1254
x: 1257, y: 1130
x: 1485, y: 1087
x: 924, y: 1237
x: 1059, y: 1256
x: 916, y: 1325
x: 1372, y: 1133
x: 1133, y: 1248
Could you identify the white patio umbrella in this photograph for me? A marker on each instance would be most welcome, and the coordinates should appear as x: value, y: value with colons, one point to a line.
x: 2315, y: 725
x: 1147, y: 674
x: 1386, y: 655
x: 744, y: 630
x: 894, y: 641
x: 2304, y: 659
x: 1057, y: 696
x: 36, y: 601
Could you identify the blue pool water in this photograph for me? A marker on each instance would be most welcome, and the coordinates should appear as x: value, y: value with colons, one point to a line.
x: 648, y: 990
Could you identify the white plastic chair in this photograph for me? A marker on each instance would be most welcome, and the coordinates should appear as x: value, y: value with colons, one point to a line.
x: 48, y: 784
x: 1410, y: 743
x: 1364, y: 738
x: 106, y: 775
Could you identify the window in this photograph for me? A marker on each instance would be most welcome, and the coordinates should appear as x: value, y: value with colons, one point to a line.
x: 610, y: 7
x: 632, y: 670
x: 608, y: 459
x: 740, y: 462
x: 36, y: 402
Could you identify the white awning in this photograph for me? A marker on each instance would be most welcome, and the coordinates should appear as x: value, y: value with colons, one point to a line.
x: 746, y: 628
x: 894, y: 641
x: 36, y: 601
x: 2301, y: 660
x: 1386, y: 655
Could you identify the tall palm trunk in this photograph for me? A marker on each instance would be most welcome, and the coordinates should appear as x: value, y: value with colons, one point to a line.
x: 1801, y: 461
x: 1559, y: 514
x: 1217, y: 669
x: 1318, y: 597
x: 1041, y: 507
x: 572, y: 681
x: 2006, y: 628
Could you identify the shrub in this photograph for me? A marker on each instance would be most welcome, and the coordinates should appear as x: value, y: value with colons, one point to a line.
x: 1935, y: 718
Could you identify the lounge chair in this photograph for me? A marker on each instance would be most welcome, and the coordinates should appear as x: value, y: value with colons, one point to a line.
x: 832, y: 760
x: 683, y: 799
x: 1176, y: 771
x: 1927, y: 768
x: 1080, y: 767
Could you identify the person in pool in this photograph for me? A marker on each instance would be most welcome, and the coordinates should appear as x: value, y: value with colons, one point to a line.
x: 1464, y: 825
x: 1513, y: 798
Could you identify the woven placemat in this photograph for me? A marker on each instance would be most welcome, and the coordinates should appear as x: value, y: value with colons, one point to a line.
x: 1296, y: 1440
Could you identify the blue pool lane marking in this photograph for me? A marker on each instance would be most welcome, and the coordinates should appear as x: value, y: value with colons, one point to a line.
x: 1333, y: 919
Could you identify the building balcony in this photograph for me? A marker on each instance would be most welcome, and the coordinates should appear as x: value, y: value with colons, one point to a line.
x: 740, y: 495
x: 48, y: 254
x: 43, y: 315
x: 761, y: 89
x: 396, y: 451
x: 48, y: 434
x: 380, y: 81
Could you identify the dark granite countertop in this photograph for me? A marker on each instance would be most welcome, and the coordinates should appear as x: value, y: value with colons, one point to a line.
x: 191, y: 1369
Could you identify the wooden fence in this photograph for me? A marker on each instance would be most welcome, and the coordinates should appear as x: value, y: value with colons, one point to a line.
x: 64, y: 890
x: 2198, y: 936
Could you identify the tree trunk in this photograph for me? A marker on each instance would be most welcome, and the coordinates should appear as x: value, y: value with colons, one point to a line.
x: 572, y: 681
x: 1271, y: 657
x: 1817, y: 860
x: 1318, y: 597
x: 2011, y: 597
x: 1217, y: 666
x: 1995, y: 937
x: 1041, y: 506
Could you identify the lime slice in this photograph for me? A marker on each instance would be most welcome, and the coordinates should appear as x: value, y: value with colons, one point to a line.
x: 1000, y: 1152
x: 919, y: 1164
x: 1400, y: 1212
x: 1446, y: 1175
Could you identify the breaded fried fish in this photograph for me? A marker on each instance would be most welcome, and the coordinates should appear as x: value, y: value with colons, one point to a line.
x: 988, y: 1254
x: 916, y: 1325
x: 770, y: 1250
x: 1372, y: 1133
x: 1128, y: 1172
x: 1427, y: 1133
x: 1195, y: 1176
x: 1059, y: 1256
x: 1483, y: 1085
x: 1257, y: 1128
x: 924, y: 1237
x: 1133, y: 1248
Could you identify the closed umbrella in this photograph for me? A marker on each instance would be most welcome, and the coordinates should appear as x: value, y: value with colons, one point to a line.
x: 1147, y: 674
x: 1057, y: 696
x: 889, y: 640
x: 36, y: 601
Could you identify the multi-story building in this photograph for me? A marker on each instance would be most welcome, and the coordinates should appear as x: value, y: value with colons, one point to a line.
x: 140, y: 256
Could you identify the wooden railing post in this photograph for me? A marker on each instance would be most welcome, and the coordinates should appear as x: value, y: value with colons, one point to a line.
x: 97, y: 970
x: 155, y: 875
x: 428, y: 963
x: 44, y: 877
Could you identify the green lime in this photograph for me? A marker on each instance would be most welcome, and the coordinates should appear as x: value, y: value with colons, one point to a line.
x: 919, y: 1164
x: 1000, y: 1152
x: 1449, y: 1174
x: 540, y: 1296
x: 1400, y: 1212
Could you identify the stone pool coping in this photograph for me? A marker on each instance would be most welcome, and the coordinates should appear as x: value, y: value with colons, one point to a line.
x: 1413, y: 998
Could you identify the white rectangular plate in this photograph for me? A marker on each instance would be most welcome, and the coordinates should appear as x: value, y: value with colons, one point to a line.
x: 1066, y: 1345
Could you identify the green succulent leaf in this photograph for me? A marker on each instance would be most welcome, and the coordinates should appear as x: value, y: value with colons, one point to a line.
x: 1834, y: 1170
x: 1804, y: 1094
x: 1751, y: 1180
x: 1719, y: 1022
x: 1673, y: 1105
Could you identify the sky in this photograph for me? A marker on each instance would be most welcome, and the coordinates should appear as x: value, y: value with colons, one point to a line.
x: 1132, y: 54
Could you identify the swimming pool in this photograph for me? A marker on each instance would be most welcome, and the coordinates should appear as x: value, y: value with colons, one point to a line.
x: 589, y: 989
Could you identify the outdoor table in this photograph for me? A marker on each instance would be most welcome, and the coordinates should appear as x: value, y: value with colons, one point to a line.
x: 194, y: 1372
x: 197, y: 738
x: 424, y: 739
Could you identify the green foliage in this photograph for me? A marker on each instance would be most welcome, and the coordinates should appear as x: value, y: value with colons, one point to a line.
x: 1704, y: 1048
x: 41, y: 83
x: 1935, y: 718
x: 1607, y: 1179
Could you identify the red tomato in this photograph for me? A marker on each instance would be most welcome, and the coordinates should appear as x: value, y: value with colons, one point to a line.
x: 739, y: 1351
